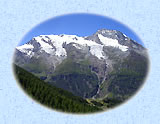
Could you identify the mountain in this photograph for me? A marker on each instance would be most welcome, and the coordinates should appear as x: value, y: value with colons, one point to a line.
x: 106, y: 65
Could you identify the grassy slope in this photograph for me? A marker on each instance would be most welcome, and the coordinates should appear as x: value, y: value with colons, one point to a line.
x: 51, y: 96
x: 69, y: 66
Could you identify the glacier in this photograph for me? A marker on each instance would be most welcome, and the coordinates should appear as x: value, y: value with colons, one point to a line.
x: 47, y: 42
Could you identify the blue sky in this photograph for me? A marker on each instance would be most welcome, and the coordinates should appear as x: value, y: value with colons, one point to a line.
x: 78, y: 24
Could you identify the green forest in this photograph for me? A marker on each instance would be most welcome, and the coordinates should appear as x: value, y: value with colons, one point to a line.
x: 50, y: 95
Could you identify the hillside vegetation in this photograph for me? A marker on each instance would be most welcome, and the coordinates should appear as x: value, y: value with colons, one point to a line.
x: 50, y: 95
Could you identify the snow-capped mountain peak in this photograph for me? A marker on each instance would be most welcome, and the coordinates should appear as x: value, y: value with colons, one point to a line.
x: 26, y: 49
x: 53, y: 44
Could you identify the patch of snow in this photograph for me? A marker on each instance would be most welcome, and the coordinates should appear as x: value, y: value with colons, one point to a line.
x: 103, y: 32
x: 97, y: 50
x: 124, y: 35
x: 58, y: 43
x: 44, y: 46
x: 27, y: 49
x: 25, y: 46
x: 75, y: 45
x: 112, y: 42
